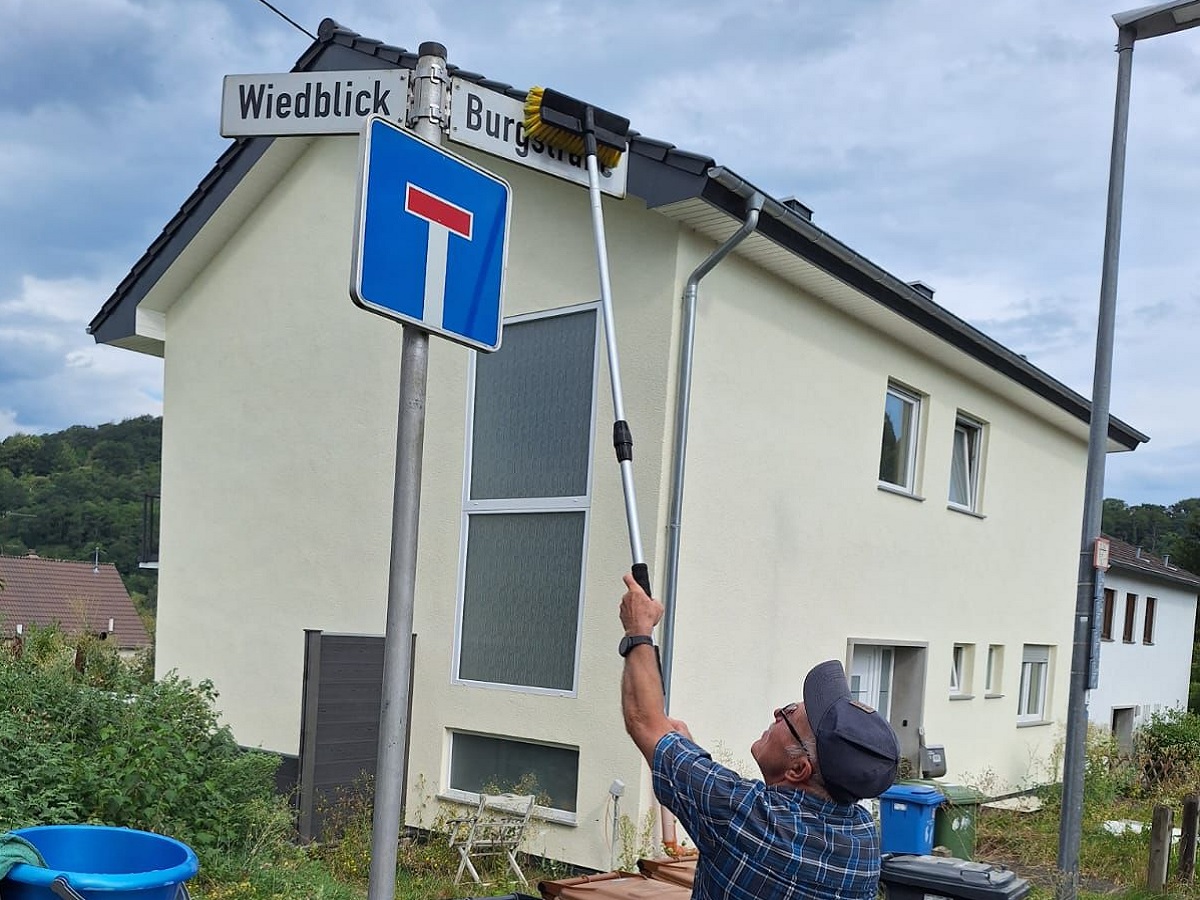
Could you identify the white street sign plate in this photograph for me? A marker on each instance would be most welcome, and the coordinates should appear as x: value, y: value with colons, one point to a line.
x: 495, y: 123
x: 296, y: 103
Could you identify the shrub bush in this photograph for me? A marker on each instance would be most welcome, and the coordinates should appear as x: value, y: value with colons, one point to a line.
x: 1169, y: 747
x: 101, y: 746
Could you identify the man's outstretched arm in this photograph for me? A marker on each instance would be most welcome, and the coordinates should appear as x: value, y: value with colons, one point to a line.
x: 641, y: 685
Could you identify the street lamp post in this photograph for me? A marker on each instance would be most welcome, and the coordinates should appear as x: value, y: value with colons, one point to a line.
x: 1136, y: 24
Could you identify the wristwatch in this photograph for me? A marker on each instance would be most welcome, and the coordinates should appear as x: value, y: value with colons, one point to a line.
x: 632, y: 640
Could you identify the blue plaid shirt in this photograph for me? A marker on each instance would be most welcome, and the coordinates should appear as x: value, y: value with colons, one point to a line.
x: 756, y: 841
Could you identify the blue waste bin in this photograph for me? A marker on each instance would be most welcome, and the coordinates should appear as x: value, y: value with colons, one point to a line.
x: 906, y: 815
x: 102, y: 863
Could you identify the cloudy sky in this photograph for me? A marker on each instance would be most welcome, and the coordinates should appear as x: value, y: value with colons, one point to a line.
x: 962, y: 144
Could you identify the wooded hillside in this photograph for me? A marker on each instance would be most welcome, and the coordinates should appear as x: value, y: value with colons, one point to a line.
x: 62, y: 495
x: 65, y: 494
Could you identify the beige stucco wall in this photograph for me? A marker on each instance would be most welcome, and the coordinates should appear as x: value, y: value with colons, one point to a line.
x: 790, y: 549
x: 278, y: 470
x: 278, y: 451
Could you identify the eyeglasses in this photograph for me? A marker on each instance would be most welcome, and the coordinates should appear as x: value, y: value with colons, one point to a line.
x: 783, y: 713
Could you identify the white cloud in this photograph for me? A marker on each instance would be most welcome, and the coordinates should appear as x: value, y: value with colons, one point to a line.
x: 51, y: 371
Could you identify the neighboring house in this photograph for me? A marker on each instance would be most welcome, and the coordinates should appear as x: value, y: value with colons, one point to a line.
x: 80, y: 597
x: 938, y: 563
x: 1146, y: 631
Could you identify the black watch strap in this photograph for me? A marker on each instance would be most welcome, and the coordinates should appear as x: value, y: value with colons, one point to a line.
x: 633, y: 640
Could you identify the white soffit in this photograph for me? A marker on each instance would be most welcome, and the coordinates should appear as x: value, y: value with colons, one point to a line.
x: 718, y: 225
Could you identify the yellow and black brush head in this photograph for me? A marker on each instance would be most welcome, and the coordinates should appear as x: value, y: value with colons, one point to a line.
x: 564, y: 123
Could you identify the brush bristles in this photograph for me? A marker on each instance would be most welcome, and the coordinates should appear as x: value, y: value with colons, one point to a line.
x: 537, y: 129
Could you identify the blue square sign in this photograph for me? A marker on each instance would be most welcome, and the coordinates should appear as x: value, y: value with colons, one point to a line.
x: 430, y: 237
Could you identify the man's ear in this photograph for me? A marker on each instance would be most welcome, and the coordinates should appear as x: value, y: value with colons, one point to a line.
x: 799, y: 771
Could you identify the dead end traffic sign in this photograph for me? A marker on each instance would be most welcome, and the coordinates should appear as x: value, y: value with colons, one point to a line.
x: 430, y: 237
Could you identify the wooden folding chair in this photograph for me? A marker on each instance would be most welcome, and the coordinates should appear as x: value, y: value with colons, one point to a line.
x: 496, y: 828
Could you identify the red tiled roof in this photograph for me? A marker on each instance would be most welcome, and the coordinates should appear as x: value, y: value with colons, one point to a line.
x: 1134, y: 559
x: 45, y: 591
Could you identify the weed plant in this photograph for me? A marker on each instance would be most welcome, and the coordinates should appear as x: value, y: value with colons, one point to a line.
x: 1163, y: 767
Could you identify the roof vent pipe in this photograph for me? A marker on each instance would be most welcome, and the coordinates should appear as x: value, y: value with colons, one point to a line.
x: 683, y: 393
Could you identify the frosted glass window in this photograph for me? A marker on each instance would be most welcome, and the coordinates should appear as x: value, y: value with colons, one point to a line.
x: 521, y: 599
x: 533, y: 410
x: 483, y: 764
x: 526, y: 504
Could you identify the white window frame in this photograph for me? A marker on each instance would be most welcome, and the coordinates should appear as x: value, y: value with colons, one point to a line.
x: 875, y: 680
x: 471, y: 798
x: 1029, y: 712
x: 914, y: 400
x: 472, y: 507
x: 972, y: 446
x: 961, y: 661
x: 995, y: 671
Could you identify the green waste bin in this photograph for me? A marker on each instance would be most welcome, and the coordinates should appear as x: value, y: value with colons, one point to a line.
x: 955, y: 821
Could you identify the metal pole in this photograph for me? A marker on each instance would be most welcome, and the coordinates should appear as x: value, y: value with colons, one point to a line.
x: 1091, y: 580
x: 426, y: 111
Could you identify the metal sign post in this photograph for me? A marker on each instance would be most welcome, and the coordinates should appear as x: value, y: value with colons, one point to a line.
x: 429, y: 82
x: 430, y: 248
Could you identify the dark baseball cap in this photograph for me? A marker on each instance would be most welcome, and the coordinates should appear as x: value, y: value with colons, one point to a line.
x: 856, y: 748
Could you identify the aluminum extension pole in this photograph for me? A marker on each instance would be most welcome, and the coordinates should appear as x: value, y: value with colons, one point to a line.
x: 1091, y: 580
x: 427, y: 91
x: 614, y: 369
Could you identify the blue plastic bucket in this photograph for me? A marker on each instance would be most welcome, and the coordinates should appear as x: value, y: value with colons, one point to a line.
x: 102, y: 863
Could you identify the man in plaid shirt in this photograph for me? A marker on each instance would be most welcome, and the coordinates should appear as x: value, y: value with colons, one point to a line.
x: 797, y: 833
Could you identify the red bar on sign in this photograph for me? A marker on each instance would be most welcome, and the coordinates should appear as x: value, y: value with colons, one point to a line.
x: 434, y: 209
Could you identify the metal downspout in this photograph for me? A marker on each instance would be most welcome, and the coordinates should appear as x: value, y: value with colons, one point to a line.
x: 683, y: 394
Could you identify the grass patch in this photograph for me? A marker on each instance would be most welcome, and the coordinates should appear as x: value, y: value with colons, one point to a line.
x: 1164, y: 767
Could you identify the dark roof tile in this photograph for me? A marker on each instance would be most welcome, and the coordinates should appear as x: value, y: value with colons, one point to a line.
x: 76, y: 595
x: 1127, y: 557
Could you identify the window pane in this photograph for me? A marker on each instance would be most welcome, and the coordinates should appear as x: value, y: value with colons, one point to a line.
x: 1037, y: 686
x: 481, y: 764
x: 1130, y: 616
x: 1148, y: 626
x: 533, y: 410
x: 1023, y: 698
x: 990, y: 679
x: 896, y: 451
x: 884, y: 701
x: 521, y: 599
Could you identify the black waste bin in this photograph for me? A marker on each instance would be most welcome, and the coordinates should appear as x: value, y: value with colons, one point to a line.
x: 918, y: 877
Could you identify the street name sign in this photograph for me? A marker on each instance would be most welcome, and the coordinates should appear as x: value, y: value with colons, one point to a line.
x: 495, y: 123
x: 299, y: 103
x: 430, y: 237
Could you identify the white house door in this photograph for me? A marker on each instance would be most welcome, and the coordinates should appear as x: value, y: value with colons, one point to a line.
x: 871, y: 672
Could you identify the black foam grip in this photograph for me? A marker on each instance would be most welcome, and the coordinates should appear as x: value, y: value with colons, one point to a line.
x: 641, y: 574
